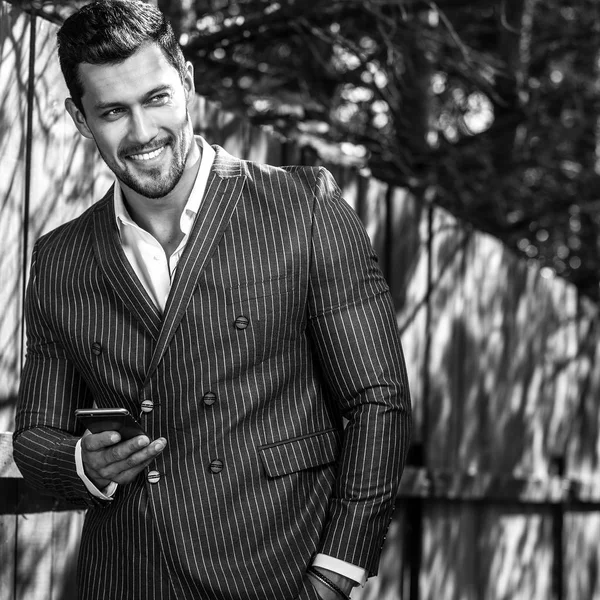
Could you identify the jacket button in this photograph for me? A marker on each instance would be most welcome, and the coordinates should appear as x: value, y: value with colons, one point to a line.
x: 97, y: 348
x: 216, y: 466
x: 153, y: 477
x: 242, y: 322
x: 209, y: 398
x: 147, y: 406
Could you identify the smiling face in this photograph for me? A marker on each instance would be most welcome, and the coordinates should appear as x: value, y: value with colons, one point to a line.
x: 136, y: 111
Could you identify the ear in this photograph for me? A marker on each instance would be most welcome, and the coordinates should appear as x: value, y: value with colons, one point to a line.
x: 78, y: 118
x: 188, y: 83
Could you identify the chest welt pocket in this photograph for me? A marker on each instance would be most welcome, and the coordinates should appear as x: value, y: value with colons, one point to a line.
x: 297, y: 454
x: 258, y: 291
x: 271, y: 309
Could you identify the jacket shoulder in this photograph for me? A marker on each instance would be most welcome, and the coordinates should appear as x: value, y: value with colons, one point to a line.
x: 284, y: 181
x: 73, y: 233
x: 294, y: 182
x: 297, y: 174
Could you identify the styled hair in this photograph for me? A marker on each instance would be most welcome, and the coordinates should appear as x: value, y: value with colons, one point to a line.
x: 109, y: 32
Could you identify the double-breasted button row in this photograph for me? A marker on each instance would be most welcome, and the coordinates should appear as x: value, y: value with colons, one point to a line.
x: 215, y: 466
x: 152, y: 476
x: 209, y: 399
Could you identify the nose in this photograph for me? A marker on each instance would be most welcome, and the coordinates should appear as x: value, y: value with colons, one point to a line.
x: 142, y: 127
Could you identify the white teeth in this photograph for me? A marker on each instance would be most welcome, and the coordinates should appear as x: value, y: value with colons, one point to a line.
x: 147, y: 155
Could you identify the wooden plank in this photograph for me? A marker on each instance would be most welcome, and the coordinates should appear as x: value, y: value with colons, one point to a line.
x: 582, y: 447
x: 273, y: 147
x: 582, y: 556
x: 47, y: 545
x: 8, y: 468
x: 14, y: 67
x: 375, y: 214
x: 445, y: 427
x: 65, y: 549
x: 234, y: 134
x: 207, y: 120
x: 526, y: 335
x: 264, y: 146
x: 449, y: 565
x: 515, y: 554
x: 478, y: 552
x: 348, y: 180
x: 407, y: 278
x: 8, y: 546
x: 63, y: 163
x: 9, y: 498
x: 34, y: 556
x: 503, y: 391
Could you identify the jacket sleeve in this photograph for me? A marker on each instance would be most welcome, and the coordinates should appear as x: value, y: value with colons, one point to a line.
x: 50, y: 390
x: 353, y: 328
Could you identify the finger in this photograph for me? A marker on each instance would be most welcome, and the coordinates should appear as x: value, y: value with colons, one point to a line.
x: 124, y: 450
x: 92, y: 442
x: 127, y: 469
x: 100, y: 456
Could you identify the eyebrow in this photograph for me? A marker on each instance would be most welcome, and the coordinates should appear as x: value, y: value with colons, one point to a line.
x: 100, y: 106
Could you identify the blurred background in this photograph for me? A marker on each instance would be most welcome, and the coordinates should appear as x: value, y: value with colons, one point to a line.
x: 466, y: 137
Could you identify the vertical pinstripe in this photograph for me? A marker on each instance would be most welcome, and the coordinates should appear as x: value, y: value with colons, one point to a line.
x: 280, y: 247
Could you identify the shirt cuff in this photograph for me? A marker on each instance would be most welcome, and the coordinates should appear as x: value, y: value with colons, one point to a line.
x: 341, y: 567
x: 107, y: 493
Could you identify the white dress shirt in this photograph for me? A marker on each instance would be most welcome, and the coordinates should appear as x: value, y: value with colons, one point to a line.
x: 155, y: 271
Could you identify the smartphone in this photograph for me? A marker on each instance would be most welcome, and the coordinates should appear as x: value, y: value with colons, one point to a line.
x: 98, y: 420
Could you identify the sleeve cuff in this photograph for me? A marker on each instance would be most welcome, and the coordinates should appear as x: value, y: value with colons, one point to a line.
x: 107, y: 493
x: 341, y: 567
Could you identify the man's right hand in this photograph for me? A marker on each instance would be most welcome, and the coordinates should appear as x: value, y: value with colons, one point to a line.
x: 105, y: 458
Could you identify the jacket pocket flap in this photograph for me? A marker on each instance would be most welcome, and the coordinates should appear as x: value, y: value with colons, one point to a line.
x: 289, y: 456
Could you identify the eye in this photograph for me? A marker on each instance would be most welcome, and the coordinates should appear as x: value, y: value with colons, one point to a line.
x: 113, y: 113
x: 159, y: 99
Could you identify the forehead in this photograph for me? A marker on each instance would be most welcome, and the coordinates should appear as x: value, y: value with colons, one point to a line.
x: 127, y: 80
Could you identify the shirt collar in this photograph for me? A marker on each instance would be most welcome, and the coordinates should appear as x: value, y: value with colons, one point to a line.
x: 192, y: 206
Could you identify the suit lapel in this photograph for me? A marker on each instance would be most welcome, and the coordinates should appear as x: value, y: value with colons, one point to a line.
x: 223, y: 191
x: 116, y: 268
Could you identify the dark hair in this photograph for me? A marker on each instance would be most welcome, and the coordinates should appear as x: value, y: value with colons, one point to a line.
x: 110, y: 31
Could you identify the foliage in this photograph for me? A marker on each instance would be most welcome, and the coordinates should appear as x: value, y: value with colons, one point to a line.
x: 488, y: 109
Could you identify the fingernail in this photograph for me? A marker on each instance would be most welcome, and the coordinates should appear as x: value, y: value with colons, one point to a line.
x: 159, y: 445
x: 114, y: 438
x: 143, y: 441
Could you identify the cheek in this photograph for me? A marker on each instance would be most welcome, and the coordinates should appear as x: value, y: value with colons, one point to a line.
x: 108, y: 142
x: 178, y: 121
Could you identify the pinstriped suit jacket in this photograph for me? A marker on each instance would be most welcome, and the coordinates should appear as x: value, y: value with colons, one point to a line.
x: 259, y: 473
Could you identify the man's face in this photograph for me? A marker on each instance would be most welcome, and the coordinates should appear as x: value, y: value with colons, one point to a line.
x: 137, y: 113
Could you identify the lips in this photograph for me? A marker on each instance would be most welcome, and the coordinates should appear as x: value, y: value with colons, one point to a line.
x: 148, y: 155
x: 144, y: 153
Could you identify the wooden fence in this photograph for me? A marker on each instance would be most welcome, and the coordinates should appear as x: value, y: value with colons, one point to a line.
x: 500, y: 500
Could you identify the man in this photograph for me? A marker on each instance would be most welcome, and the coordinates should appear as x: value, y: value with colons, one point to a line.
x: 238, y: 311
